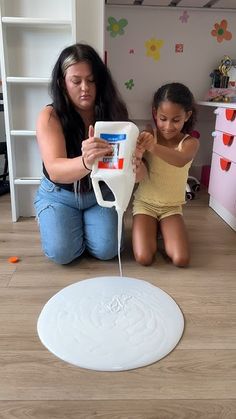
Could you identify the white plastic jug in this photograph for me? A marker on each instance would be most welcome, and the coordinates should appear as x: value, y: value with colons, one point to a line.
x: 116, y: 170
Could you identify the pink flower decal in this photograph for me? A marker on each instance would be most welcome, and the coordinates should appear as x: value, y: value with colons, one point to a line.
x: 221, y: 32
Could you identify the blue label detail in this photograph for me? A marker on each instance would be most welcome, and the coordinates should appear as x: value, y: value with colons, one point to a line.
x: 113, y: 138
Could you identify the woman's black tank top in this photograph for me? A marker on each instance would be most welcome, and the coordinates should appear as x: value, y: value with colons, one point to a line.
x: 71, y: 154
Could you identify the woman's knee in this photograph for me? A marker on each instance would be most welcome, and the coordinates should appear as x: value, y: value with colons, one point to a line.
x: 62, y: 239
x: 62, y: 255
x: 59, y: 259
x: 105, y: 251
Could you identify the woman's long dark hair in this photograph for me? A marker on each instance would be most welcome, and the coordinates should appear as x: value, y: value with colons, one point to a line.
x: 180, y: 94
x: 108, y: 105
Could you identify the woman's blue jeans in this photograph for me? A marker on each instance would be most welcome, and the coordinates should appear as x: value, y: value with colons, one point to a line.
x: 71, y: 223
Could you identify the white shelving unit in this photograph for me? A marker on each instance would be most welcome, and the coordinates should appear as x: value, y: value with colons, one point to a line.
x: 32, y: 34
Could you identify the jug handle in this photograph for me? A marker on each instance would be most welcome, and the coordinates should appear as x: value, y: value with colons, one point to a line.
x: 99, y: 197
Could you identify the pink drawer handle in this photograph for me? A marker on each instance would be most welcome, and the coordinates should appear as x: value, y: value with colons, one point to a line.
x: 230, y: 114
x: 227, y: 139
x: 225, y: 164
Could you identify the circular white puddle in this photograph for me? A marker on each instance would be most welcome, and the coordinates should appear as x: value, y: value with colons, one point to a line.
x: 110, y: 324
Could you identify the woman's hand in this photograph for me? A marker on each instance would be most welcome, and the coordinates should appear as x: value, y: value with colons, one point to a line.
x: 93, y: 148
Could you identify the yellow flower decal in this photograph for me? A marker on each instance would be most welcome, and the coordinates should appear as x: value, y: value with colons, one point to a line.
x: 153, y: 45
x: 221, y: 32
x: 116, y: 26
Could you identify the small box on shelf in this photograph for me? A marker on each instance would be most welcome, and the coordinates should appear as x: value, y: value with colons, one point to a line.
x: 221, y: 95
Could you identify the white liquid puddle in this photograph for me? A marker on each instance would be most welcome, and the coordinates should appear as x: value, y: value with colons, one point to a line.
x: 110, y: 324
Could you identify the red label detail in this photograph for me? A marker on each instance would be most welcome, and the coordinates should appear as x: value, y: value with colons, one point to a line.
x: 111, y: 164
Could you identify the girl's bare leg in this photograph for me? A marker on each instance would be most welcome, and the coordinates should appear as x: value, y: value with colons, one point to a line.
x: 144, y: 238
x: 176, y: 239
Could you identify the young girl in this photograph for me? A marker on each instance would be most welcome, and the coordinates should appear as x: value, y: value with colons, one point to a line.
x: 168, y: 150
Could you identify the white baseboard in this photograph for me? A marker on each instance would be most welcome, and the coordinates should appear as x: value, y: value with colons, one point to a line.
x: 223, y: 213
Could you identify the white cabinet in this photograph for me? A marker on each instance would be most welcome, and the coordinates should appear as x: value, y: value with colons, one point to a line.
x: 222, y: 185
x: 32, y: 34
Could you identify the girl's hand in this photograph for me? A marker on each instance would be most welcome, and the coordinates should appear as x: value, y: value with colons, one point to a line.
x: 140, y: 170
x: 137, y: 157
x: 93, y: 148
x: 146, y: 141
x: 138, y: 165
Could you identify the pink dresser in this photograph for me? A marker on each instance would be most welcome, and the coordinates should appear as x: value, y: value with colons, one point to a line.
x: 222, y: 185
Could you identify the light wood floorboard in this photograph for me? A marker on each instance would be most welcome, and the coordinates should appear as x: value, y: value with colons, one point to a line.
x: 131, y: 409
x: 196, y: 380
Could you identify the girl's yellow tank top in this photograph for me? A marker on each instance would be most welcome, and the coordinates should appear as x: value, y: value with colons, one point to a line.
x: 165, y: 184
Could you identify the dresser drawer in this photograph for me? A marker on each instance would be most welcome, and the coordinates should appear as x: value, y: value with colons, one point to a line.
x: 222, y: 185
x: 225, y: 145
x: 226, y: 120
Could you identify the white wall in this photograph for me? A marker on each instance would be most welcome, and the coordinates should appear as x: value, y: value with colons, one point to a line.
x: 201, y: 51
x: 201, y: 54
x: 90, y: 23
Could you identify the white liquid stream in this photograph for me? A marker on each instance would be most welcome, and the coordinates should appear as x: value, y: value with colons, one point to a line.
x: 120, y: 214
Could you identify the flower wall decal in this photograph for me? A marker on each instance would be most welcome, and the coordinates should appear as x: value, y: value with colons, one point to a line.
x: 129, y: 84
x: 220, y: 31
x: 152, y: 48
x: 116, y: 26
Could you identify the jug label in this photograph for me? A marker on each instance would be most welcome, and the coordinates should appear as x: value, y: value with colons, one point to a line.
x: 114, y: 159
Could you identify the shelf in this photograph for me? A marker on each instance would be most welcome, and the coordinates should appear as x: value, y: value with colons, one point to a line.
x: 27, y: 181
x: 23, y: 133
x: 35, y: 21
x: 30, y: 80
x: 33, y: 34
x: 217, y: 104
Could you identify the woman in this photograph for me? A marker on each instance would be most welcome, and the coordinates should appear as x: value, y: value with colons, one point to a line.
x: 69, y: 217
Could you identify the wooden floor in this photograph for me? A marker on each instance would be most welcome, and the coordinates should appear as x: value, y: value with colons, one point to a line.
x: 196, y: 380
